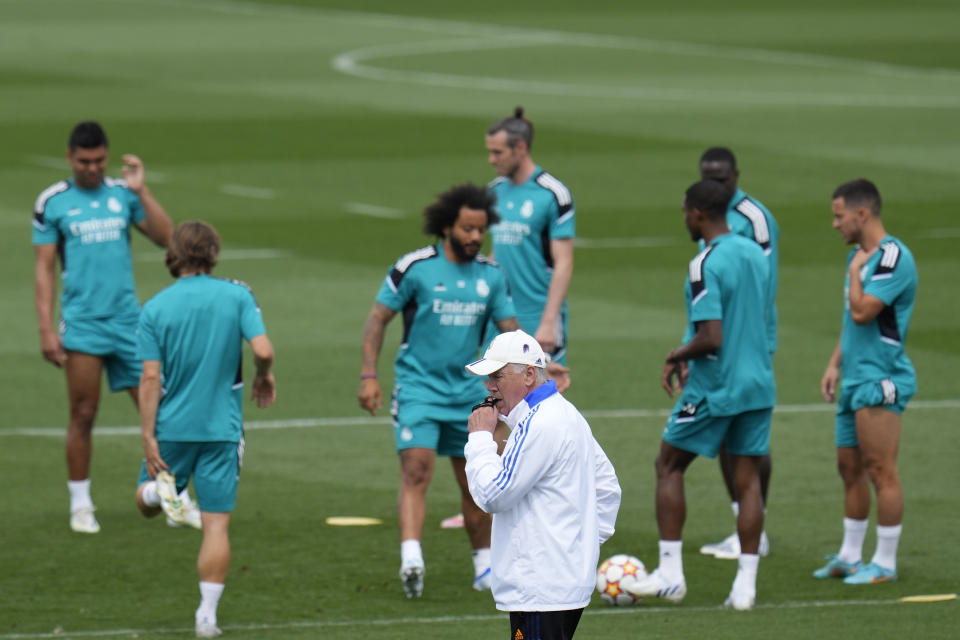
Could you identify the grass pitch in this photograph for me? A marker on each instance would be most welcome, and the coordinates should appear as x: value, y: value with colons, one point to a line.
x: 312, y: 134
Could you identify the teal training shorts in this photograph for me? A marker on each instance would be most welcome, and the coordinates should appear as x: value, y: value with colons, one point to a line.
x: 691, y: 428
x: 888, y: 393
x: 441, y: 428
x: 214, y: 466
x: 113, y: 339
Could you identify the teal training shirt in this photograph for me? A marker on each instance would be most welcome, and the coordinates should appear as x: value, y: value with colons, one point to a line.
x: 875, y: 350
x: 196, y: 328
x: 91, y: 228
x: 532, y: 214
x: 748, y: 217
x: 445, y: 308
x: 728, y: 281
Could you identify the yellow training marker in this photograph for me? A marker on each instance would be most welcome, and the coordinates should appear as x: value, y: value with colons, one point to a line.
x: 934, y: 597
x: 352, y: 521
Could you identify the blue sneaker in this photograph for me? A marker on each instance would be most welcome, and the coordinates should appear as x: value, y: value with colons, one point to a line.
x: 836, y: 568
x: 871, y: 574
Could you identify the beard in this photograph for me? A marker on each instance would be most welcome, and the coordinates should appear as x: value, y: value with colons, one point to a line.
x: 464, y: 252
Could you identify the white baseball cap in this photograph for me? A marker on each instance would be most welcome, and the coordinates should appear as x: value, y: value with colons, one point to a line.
x: 513, y: 347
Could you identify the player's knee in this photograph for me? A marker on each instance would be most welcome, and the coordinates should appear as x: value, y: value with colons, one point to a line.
x: 82, y: 414
x: 883, y: 473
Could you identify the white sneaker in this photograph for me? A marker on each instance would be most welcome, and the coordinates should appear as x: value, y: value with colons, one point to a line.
x: 207, y: 629
x: 729, y: 547
x: 482, y: 581
x: 82, y: 520
x: 411, y: 576
x: 170, y: 501
x: 740, y: 601
x: 655, y: 585
x: 192, y: 514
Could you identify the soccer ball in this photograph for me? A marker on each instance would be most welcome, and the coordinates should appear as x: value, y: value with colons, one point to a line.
x: 616, y: 573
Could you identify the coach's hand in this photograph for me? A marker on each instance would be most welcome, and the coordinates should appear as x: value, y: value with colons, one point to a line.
x: 483, y: 419
x: 370, y: 396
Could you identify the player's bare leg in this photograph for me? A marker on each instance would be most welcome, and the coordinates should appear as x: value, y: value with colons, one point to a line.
x: 878, y: 432
x: 83, y: 391
x: 477, y: 523
x: 671, y: 502
x: 475, y: 520
x: 743, y: 593
x: 83, y: 373
x: 416, y: 471
x: 729, y: 547
x: 213, y: 562
x: 667, y: 580
x: 856, y: 485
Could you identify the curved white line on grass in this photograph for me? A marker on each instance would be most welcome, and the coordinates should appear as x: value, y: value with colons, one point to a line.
x: 640, y: 43
x: 352, y: 421
x: 352, y: 63
x: 373, y: 210
x: 423, y: 620
x: 244, y: 191
x: 625, y: 243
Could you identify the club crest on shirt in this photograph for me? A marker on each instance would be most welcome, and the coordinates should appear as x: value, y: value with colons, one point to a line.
x: 526, y: 210
x: 114, y: 205
x: 483, y: 289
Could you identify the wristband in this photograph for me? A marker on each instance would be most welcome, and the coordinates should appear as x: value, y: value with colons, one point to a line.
x: 368, y: 376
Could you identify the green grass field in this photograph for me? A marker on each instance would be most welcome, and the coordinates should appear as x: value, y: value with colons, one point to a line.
x: 312, y: 134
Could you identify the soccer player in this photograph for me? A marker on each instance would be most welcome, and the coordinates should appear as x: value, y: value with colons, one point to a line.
x: 191, y: 338
x: 723, y: 371
x: 447, y: 293
x: 553, y: 494
x: 878, y: 381
x: 533, y: 241
x: 86, y: 221
x: 747, y: 217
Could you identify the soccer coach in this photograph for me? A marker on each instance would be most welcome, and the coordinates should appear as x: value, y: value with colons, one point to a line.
x: 553, y: 494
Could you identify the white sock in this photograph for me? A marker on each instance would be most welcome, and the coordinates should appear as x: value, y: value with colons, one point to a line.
x: 149, y: 494
x: 411, y: 552
x: 210, y: 593
x: 79, y: 494
x: 671, y: 559
x: 887, y: 540
x: 481, y: 561
x: 854, y: 531
x: 746, y: 580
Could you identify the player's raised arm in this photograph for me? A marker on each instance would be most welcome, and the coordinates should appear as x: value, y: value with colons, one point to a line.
x: 370, y: 396
x: 157, y: 224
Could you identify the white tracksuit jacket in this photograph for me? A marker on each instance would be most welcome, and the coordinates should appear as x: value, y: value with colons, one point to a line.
x: 554, y: 497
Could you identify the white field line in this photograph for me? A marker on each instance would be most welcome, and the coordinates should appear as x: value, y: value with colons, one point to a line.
x: 352, y: 63
x: 245, y: 191
x: 940, y: 233
x: 461, y: 28
x: 226, y: 254
x: 60, y: 163
x: 625, y: 243
x: 353, y: 421
x: 373, y: 210
x: 381, y: 622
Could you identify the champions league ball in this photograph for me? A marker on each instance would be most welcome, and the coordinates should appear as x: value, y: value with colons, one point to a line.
x: 614, y: 575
